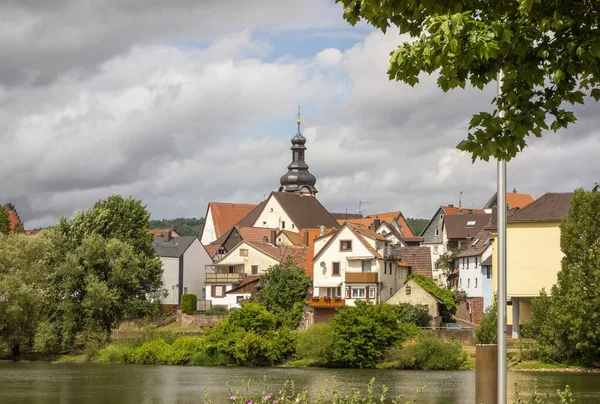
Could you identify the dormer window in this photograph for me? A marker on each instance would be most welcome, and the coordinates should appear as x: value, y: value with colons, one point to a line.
x: 471, y: 223
x: 474, y: 243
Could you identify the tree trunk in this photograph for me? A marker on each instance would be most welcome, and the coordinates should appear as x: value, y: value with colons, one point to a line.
x: 16, y: 351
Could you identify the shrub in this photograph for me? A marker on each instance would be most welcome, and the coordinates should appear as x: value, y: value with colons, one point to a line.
x: 415, y: 314
x: 189, y: 303
x: 184, y: 348
x: 431, y: 353
x: 362, y: 333
x: 216, y: 311
x: 153, y: 352
x: 487, y: 331
x: 315, y: 343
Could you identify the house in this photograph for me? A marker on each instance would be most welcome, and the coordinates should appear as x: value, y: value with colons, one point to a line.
x: 417, y: 259
x: 513, y: 201
x: 184, y: 260
x: 235, y: 235
x: 533, y: 253
x: 392, y: 225
x: 289, y: 211
x: 472, y: 274
x: 434, y: 237
x: 220, y: 217
x: 353, y: 263
x: 14, y: 220
x: 164, y: 232
x: 228, y: 272
x: 412, y: 293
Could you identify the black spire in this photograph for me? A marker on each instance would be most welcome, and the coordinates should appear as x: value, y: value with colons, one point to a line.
x: 298, y: 179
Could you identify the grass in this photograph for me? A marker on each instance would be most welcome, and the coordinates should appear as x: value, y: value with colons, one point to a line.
x: 177, y: 328
x: 302, y: 363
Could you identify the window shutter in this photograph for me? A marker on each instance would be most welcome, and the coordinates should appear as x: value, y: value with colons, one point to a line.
x: 213, y: 290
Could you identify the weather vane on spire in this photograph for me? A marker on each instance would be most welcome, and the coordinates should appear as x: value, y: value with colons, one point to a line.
x: 298, y: 121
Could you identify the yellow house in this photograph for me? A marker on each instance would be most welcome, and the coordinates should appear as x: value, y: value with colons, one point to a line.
x: 533, y: 254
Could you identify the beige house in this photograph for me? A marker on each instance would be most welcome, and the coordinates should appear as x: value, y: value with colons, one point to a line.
x: 533, y: 254
x: 413, y: 293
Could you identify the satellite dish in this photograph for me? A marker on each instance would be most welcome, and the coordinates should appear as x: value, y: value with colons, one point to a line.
x: 323, y: 264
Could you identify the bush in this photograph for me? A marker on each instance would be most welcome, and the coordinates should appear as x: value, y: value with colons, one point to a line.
x: 189, y: 302
x: 216, y: 311
x: 431, y: 353
x: 362, y: 333
x: 315, y: 343
x: 487, y: 331
x: 415, y: 314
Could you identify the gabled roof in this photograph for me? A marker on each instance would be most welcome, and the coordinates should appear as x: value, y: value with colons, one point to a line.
x: 513, y: 199
x: 295, y: 238
x: 419, y: 259
x: 306, y: 212
x: 389, y: 217
x: 226, y: 215
x: 246, y: 233
x: 252, y: 216
x: 360, y: 231
x: 157, y: 232
x: 212, y: 250
x: 459, y: 226
x: 241, y: 288
x: 346, y: 216
x: 551, y: 207
x: 173, y: 248
x: 478, y: 245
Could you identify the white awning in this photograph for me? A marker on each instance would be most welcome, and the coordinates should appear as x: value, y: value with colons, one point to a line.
x: 359, y: 258
x: 328, y: 284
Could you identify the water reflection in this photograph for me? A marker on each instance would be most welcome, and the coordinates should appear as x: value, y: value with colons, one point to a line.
x: 38, y: 382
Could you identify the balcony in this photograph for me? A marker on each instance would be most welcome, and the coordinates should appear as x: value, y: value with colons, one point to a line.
x: 361, y: 277
x: 225, y: 278
x: 327, y: 302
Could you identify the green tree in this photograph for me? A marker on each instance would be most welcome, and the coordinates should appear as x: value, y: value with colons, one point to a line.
x: 19, y: 228
x: 22, y: 277
x: 445, y: 261
x: 283, y: 292
x: 4, y: 221
x: 487, y: 330
x: 362, y: 333
x: 570, y: 329
x: 549, y: 53
x: 183, y: 226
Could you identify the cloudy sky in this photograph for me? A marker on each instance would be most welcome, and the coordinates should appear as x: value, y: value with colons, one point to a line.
x: 184, y: 102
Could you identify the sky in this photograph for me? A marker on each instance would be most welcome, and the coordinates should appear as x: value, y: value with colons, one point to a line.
x: 184, y: 102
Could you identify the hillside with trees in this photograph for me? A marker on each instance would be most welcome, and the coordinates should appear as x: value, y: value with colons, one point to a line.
x: 183, y: 226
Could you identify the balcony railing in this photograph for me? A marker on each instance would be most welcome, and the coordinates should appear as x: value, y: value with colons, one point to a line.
x: 327, y: 302
x: 361, y: 277
x: 225, y: 278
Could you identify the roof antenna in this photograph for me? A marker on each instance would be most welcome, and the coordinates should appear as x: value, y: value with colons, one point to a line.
x: 360, y: 209
x: 460, y: 201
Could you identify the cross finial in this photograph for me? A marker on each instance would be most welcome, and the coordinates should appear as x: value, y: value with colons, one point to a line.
x: 298, y: 121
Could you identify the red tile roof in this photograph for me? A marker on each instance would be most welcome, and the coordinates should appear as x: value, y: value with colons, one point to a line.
x: 419, y: 259
x: 551, y: 207
x: 453, y: 210
x: 518, y: 200
x: 155, y: 232
x: 295, y: 238
x: 388, y: 217
x: 212, y: 249
x: 256, y: 234
x: 227, y: 215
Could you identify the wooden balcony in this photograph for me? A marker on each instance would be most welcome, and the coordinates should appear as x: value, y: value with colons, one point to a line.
x: 361, y: 277
x: 225, y: 278
x: 327, y: 302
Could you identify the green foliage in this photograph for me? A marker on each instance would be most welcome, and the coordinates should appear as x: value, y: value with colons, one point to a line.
x: 549, y: 54
x: 249, y: 336
x: 415, y: 314
x: 566, y: 324
x: 564, y: 397
x: 487, y: 331
x: 446, y: 296
x: 445, y: 261
x: 417, y: 225
x: 189, y: 303
x: 217, y: 311
x: 316, y: 343
x: 22, y: 280
x: 154, y: 352
x: 283, y: 292
x: 4, y: 221
x: 362, y: 333
x: 428, y: 352
x: 183, y: 226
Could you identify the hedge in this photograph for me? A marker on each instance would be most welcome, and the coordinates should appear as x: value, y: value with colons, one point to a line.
x: 189, y: 303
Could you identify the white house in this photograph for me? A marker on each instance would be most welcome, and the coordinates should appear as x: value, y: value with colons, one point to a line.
x: 473, y: 277
x: 221, y: 217
x: 248, y: 258
x: 184, y: 260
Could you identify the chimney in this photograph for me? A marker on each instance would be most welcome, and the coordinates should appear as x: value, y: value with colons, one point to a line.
x: 376, y: 223
x: 451, y: 206
x: 273, y: 237
x: 306, y: 237
x: 160, y: 234
x: 168, y: 235
x: 322, y: 229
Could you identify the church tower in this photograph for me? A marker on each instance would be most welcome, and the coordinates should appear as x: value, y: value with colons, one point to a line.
x: 298, y: 179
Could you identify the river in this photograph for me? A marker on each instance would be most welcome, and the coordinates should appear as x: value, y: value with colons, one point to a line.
x: 42, y: 382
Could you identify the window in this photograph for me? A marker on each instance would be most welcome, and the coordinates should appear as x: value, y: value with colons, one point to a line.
x: 347, y: 293
x: 469, y: 282
x: 293, y: 226
x: 408, y: 290
x: 239, y: 299
x: 474, y: 243
x: 488, y: 272
x: 441, y: 217
x: 243, y: 252
x: 231, y: 269
x: 391, y: 291
x: 435, y: 249
x: 385, y: 267
x: 371, y: 292
x: 283, y: 225
x: 254, y: 269
x: 185, y: 291
x: 204, y: 293
x: 476, y: 261
x: 335, y: 271
x: 471, y: 223
x: 437, y: 232
x: 366, y: 266
x: 334, y: 292
x: 358, y: 293
x: 460, y: 283
x: 475, y: 282
x: 218, y: 291
x: 345, y: 245
x: 279, y: 240
x: 264, y: 224
x: 436, y: 265
x: 271, y: 210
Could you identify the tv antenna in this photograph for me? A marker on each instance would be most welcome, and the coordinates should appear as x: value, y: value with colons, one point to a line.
x: 360, y: 204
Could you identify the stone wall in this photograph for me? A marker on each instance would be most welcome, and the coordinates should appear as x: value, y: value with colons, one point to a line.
x: 198, y: 320
x: 466, y: 336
